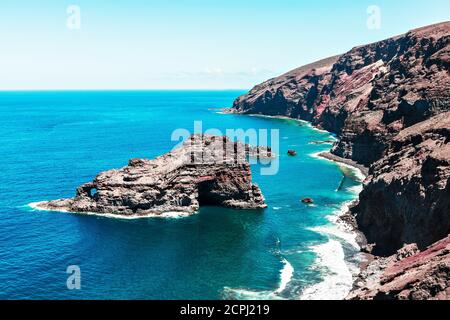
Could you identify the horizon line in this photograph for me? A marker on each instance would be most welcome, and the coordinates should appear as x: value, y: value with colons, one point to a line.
x: 111, y: 89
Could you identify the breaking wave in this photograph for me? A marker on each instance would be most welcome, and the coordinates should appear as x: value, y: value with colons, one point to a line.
x: 337, y: 272
x: 286, y: 274
x: 337, y: 277
x: 166, y: 215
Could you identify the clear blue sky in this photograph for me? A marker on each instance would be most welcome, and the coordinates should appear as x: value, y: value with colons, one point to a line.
x: 190, y: 44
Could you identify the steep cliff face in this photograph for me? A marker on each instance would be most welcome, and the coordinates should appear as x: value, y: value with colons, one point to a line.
x: 293, y: 94
x: 366, y: 95
x: 407, y: 197
x: 205, y: 170
x: 388, y: 103
x: 410, y: 83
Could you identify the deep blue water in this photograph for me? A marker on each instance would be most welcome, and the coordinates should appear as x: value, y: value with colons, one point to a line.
x: 51, y: 142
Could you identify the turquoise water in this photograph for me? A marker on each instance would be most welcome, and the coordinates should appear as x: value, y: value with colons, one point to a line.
x: 51, y: 142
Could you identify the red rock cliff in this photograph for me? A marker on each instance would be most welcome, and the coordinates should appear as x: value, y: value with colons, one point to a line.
x: 388, y: 103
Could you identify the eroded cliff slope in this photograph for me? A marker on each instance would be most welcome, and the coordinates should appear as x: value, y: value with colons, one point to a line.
x: 407, y: 275
x: 388, y: 103
x: 407, y: 196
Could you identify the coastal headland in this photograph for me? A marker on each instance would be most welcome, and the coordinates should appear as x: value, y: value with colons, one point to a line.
x: 389, y: 105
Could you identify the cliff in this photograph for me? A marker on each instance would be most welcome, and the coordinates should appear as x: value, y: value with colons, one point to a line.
x: 407, y: 275
x: 389, y: 104
x: 407, y: 195
x: 366, y: 95
x: 369, y: 97
x: 205, y: 170
x: 293, y: 94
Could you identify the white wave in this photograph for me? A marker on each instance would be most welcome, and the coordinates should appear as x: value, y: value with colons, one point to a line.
x: 337, y: 273
x: 316, y: 129
x: 272, y: 117
x: 359, y: 175
x: 337, y: 228
x: 277, y: 208
x: 355, y: 189
x: 165, y: 215
x: 337, y: 276
x: 243, y: 294
x: 286, y: 274
x: 307, y: 123
x: 338, y: 231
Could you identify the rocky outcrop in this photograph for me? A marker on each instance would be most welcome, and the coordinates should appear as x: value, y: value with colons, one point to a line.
x: 409, y: 83
x: 389, y: 104
x: 293, y: 94
x: 366, y: 95
x: 407, y: 275
x: 205, y: 170
x: 407, y: 196
x: 379, y: 99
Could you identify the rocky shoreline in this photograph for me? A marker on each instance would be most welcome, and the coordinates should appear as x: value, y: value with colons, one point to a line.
x: 389, y: 105
x: 204, y: 170
x: 408, y: 275
x: 332, y: 157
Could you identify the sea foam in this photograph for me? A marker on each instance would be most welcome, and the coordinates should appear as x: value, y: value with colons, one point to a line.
x: 337, y: 277
x: 337, y: 273
x: 286, y: 274
x: 165, y: 215
x: 359, y: 175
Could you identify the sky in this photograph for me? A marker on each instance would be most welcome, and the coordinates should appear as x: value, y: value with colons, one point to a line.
x: 187, y: 44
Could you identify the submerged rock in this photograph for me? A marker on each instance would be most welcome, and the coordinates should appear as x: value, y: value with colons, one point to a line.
x: 205, y: 170
x: 307, y: 201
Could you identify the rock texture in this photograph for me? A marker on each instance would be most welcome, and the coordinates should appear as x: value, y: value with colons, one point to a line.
x: 293, y: 94
x: 375, y: 97
x: 366, y: 95
x: 407, y: 275
x: 205, y: 170
x: 407, y: 195
x: 389, y: 104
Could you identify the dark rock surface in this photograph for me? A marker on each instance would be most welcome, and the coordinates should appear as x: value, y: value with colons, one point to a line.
x: 408, y: 83
x: 366, y: 95
x: 407, y: 197
x: 389, y: 104
x: 293, y: 94
x: 369, y: 97
x: 307, y: 201
x: 407, y: 275
x: 205, y: 170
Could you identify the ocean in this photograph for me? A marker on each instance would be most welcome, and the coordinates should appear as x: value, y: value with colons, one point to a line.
x: 52, y: 142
